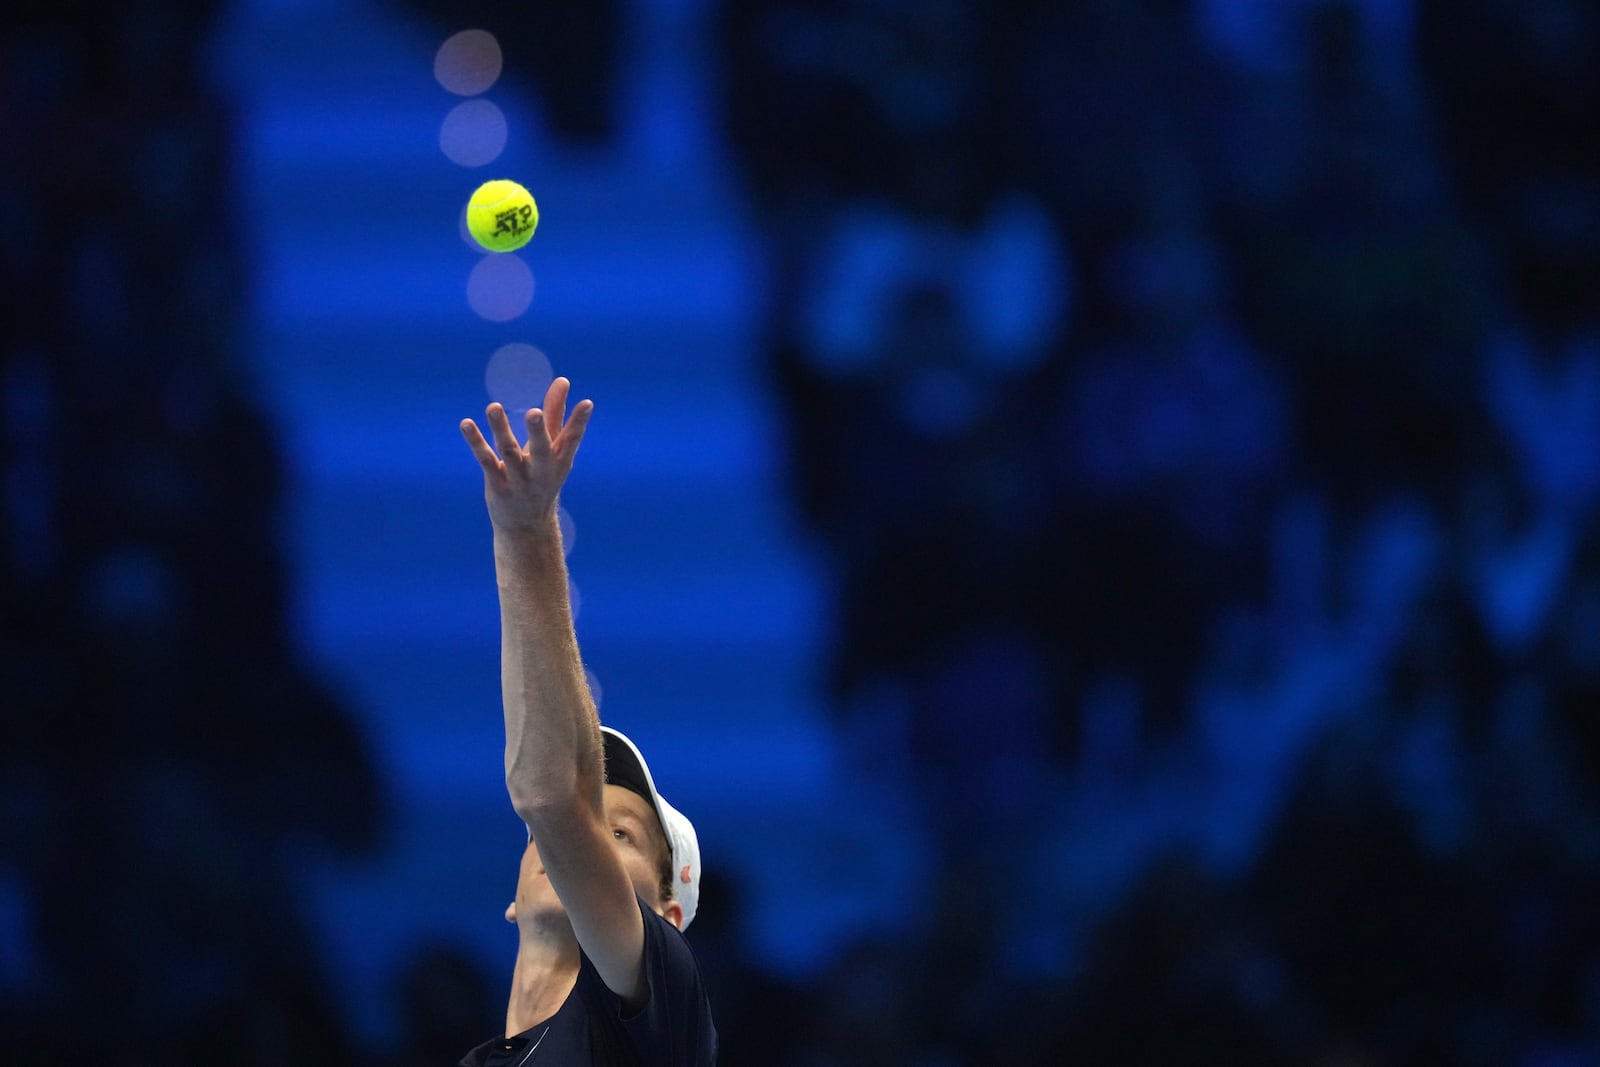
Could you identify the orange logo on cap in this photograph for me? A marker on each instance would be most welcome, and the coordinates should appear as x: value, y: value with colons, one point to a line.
x: 685, y: 874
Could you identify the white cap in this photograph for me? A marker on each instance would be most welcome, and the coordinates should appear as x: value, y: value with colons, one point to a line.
x: 627, y: 768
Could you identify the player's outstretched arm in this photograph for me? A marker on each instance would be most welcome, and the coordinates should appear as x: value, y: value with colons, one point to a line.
x: 554, y: 761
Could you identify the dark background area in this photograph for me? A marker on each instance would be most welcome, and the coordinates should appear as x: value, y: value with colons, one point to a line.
x: 1197, y: 407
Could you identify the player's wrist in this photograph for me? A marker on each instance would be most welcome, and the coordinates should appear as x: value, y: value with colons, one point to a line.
x: 533, y: 530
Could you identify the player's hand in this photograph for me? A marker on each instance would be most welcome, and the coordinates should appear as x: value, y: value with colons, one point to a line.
x: 523, y: 482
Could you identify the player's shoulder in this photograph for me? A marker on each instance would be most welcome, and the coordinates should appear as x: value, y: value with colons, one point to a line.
x: 675, y: 1025
x: 669, y: 952
x: 659, y: 926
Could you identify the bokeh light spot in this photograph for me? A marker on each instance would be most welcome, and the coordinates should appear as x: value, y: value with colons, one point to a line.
x: 468, y: 63
x: 473, y: 133
x: 500, y: 287
x: 517, y: 377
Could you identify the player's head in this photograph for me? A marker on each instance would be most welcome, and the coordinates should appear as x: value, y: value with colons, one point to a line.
x: 678, y: 863
x: 657, y: 844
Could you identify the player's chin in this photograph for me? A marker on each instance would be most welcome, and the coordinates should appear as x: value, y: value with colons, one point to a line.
x: 539, y: 896
x: 545, y: 919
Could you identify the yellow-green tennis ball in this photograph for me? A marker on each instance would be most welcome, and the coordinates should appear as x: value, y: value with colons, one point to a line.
x: 501, y: 216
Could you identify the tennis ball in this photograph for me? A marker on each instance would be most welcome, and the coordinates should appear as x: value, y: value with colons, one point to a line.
x: 501, y: 216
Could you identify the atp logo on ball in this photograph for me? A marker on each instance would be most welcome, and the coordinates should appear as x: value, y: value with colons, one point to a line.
x: 502, y: 215
x: 513, y: 221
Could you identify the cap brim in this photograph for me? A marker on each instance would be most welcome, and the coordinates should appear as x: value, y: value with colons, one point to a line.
x: 625, y: 766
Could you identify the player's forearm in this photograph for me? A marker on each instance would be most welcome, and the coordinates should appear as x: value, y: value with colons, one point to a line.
x: 553, y: 747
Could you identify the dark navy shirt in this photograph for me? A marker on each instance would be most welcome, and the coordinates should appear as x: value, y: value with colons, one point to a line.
x: 672, y: 1028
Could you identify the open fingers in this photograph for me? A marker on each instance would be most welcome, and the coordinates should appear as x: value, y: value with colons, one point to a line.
x: 572, y: 432
x: 500, y: 427
x: 555, y: 406
x: 480, y: 448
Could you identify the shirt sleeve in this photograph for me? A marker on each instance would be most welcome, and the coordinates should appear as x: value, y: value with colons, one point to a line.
x: 673, y: 1027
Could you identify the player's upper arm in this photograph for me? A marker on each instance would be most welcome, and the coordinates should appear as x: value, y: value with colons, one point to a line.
x: 574, y: 842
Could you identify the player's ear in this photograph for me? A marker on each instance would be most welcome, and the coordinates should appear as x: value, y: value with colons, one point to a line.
x: 673, y: 913
x: 511, y: 912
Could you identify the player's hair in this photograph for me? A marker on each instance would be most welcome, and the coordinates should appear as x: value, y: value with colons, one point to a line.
x: 664, y: 869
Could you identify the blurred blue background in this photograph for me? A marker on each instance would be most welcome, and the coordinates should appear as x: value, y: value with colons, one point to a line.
x: 1090, y: 509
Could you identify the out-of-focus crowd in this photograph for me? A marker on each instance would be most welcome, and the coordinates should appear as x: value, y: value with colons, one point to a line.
x: 162, y: 750
x: 1201, y: 404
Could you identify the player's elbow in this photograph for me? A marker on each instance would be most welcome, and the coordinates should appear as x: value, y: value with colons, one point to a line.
x: 545, y: 808
x: 556, y: 795
x: 533, y: 785
x: 534, y: 805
